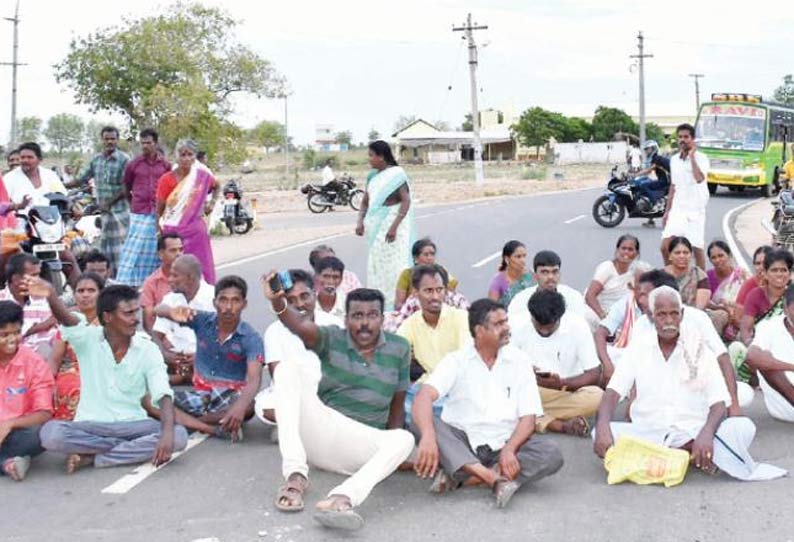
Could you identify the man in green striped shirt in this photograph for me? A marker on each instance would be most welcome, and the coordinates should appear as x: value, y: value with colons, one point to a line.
x: 351, y: 422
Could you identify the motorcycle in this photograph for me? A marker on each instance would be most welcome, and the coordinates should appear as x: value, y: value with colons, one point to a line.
x: 623, y: 197
x: 783, y: 220
x: 341, y: 193
x: 236, y: 217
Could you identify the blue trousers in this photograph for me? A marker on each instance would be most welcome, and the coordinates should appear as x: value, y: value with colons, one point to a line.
x: 21, y: 442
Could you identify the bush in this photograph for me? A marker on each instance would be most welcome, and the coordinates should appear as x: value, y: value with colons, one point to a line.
x: 533, y: 172
x: 309, y: 159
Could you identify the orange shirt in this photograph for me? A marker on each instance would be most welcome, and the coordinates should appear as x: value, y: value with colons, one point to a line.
x: 26, y: 385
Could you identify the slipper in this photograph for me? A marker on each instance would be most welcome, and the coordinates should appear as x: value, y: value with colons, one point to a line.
x: 347, y: 520
x: 17, y: 467
x: 504, y: 490
x: 442, y: 483
x: 292, y: 491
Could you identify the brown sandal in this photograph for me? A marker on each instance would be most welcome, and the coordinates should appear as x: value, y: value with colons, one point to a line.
x: 290, y: 495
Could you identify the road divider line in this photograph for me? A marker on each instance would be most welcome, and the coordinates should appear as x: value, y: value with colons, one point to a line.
x: 487, y: 259
x: 732, y: 243
x: 574, y: 219
x: 129, y: 481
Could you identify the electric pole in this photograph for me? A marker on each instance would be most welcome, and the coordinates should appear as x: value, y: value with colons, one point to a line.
x: 284, y: 92
x: 14, y: 65
x: 641, y: 56
x: 469, y: 29
x: 697, y: 76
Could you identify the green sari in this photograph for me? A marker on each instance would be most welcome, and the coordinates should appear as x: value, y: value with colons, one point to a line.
x: 385, y: 261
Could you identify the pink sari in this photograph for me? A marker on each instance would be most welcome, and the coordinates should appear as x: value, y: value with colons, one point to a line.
x: 184, y: 214
x: 8, y: 220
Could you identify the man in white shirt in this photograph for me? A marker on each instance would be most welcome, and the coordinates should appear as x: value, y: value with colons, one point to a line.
x: 772, y: 355
x: 680, y: 399
x: 561, y: 350
x: 30, y: 179
x: 546, y: 267
x: 485, y: 433
x: 689, y: 196
x: 328, y: 273
x: 177, y: 342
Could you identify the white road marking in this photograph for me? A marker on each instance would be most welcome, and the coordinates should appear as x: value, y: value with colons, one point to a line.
x: 726, y: 231
x: 129, y: 481
x: 574, y: 219
x: 315, y: 241
x: 487, y: 259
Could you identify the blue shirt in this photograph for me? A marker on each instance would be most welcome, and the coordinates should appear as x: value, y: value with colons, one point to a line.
x: 223, y: 365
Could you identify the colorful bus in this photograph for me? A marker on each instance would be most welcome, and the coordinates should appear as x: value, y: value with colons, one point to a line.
x: 745, y: 139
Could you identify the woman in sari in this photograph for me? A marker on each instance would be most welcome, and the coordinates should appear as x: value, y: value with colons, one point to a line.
x: 725, y: 281
x: 612, y: 277
x: 759, y: 256
x: 513, y: 275
x: 182, y: 204
x: 386, y: 216
x: 424, y: 253
x: 64, y: 362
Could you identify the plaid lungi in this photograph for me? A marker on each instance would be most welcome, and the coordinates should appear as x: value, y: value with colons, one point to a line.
x: 198, y: 402
x: 114, y: 232
x: 139, y: 257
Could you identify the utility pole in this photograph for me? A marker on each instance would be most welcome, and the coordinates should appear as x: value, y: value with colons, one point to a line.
x: 697, y: 76
x: 14, y: 65
x: 284, y: 92
x: 641, y: 56
x: 469, y: 28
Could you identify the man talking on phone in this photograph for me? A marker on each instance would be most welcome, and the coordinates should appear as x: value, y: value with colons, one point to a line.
x: 689, y: 196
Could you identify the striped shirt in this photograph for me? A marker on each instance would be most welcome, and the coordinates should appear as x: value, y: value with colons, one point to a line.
x: 357, y: 388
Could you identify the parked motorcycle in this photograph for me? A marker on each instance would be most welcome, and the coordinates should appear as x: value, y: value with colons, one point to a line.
x: 235, y: 215
x: 783, y: 220
x: 340, y: 193
x: 623, y: 198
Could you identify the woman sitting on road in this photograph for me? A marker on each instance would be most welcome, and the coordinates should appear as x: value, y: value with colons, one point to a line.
x: 611, y: 281
x: 754, y: 281
x: 513, y: 275
x: 725, y: 281
x: 63, y: 361
x: 424, y: 253
x: 693, y: 284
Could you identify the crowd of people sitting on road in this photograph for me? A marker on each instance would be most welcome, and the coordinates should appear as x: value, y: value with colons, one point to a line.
x: 365, y: 381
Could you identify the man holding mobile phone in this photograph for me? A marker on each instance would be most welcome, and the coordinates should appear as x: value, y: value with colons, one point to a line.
x: 689, y: 196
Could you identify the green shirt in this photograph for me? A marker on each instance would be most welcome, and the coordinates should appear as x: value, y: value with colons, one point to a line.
x: 111, y: 391
x: 108, y: 174
x: 359, y: 389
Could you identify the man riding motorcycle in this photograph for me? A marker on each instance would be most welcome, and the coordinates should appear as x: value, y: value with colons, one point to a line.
x: 660, y: 165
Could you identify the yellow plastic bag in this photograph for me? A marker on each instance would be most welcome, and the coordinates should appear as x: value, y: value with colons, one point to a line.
x: 644, y: 462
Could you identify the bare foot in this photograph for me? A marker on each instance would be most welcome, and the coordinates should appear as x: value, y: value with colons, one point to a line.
x: 577, y: 426
x: 16, y: 468
x: 76, y: 462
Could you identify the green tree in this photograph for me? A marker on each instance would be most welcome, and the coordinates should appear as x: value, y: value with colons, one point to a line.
x: 64, y: 132
x: 785, y: 92
x: 609, y: 121
x: 576, y: 129
x: 373, y: 135
x: 536, y: 126
x: 403, y: 121
x: 268, y: 134
x: 28, y: 129
x: 175, y: 70
x: 468, y: 124
x: 655, y: 132
x: 344, y: 138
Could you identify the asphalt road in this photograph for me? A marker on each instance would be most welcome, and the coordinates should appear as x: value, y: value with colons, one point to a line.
x: 218, y: 491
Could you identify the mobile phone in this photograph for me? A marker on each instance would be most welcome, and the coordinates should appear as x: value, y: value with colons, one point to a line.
x: 281, y: 281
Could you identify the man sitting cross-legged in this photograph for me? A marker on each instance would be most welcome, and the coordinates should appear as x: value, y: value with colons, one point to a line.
x: 352, y: 423
x: 772, y: 354
x: 118, y: 366
x: 26, y: 388
x: 680, y: 397
x: 561, y: 348
x: 435, y: 331
x: 228, y: 367
x: 178, y: 343
x: 486, y: 428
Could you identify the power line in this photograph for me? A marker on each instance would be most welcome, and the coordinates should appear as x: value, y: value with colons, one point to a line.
x: 469, y: 29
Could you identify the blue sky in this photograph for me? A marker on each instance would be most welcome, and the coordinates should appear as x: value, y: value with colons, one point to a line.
x: 359, y: 65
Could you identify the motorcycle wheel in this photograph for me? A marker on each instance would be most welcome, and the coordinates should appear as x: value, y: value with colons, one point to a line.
x: 606, y: 213
x: 243, y: 226
x: 316, y: 203
x: 356, y: 198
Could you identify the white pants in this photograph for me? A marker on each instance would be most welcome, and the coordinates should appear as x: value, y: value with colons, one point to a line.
x: 731, y: 444
x: 311, y: 432
x: 689, y: 224
x: 777, y: 405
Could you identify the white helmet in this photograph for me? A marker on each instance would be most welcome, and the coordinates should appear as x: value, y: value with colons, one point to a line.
x: 650, y: 147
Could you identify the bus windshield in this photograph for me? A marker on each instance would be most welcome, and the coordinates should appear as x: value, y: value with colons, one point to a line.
x: 731, y: 126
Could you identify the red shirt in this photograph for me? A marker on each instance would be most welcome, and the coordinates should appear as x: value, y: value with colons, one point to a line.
x: 26, y: 385
x: 154, y: 289
x: 748, y: 286
x: 141, y: 177
x: 756, y: 304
